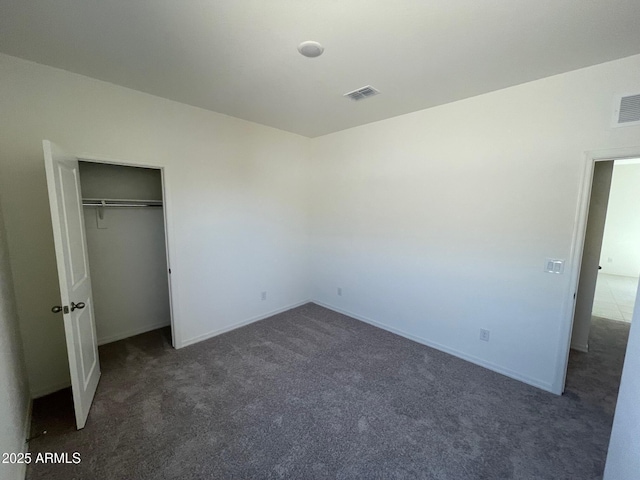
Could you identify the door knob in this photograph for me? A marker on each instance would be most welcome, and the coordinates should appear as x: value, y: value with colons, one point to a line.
x: 78, y: 305
x: 58, y: 309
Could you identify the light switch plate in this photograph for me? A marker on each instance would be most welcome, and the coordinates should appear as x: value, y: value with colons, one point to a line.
x: 554, y: 265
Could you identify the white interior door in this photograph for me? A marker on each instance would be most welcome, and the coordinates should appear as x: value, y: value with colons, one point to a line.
x: 599, y: 200
x: 65, y: 200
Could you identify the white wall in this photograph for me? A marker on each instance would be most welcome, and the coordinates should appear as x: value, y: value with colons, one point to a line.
x: 623, y: 459
x: 14, y: 390
x: 128, y: 271
x: 236, y: 202
x: 621, y: 241
x: 438, y: 223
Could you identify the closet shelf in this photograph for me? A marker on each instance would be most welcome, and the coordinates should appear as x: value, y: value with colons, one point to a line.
x: 119, y: 202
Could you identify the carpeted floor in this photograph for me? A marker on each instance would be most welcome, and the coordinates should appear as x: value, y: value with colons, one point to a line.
x: 313, y: 394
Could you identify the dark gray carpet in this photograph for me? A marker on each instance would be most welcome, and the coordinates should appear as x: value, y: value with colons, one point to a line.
x: 314, y: 394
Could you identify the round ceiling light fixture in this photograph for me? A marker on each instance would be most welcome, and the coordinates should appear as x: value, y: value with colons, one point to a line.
x: 310, y: 49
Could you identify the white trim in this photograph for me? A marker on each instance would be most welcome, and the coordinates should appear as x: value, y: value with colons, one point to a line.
x: 27, y: 420
x: 50, y: 389
x: 575, y: 254
x: 220, y: 331
x: 443, y: 348
x: 626, y: 161
x: 26, y: 433
x: 131, y: 333
x: 176, y: 332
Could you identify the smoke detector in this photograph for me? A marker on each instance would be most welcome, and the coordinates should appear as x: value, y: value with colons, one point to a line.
x: 310, y: 49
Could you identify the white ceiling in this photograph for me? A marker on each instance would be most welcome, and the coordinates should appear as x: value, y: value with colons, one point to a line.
x: 239, y: 57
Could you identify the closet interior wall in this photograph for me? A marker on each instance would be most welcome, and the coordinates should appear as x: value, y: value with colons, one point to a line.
x: 127, y: 251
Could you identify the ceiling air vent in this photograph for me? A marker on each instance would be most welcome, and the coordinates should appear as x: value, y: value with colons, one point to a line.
x: 627, y: 110
x: 362, y: 93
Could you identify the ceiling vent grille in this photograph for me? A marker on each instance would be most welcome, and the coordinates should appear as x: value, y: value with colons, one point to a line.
x: 627, y: 110
x: 362, y: 93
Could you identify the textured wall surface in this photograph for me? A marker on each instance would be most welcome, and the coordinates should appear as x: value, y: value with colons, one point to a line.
x: 623, y: 461
x: 14, y: 390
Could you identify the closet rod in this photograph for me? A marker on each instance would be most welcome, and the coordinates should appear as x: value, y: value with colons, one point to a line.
x: 109, y: 205
x: 121, y: 203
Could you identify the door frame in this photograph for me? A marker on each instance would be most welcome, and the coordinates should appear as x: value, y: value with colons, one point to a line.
x: 577, y: 250
x: 176, y: 332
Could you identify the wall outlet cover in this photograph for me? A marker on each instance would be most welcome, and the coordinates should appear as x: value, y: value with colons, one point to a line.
x: 554, y: 265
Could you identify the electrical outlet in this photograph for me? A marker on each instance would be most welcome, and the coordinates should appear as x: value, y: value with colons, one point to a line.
x: 339, y: 291
x: 484, y: 335
x: 264, y: 296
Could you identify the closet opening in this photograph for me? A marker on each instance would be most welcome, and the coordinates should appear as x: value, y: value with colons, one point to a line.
x: 126, y: 235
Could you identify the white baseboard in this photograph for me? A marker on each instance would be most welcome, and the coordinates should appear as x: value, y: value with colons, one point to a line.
x: 581, y: 348
x: 27, y: 421
x: 257, y: 318
x: 443, y: 348
x: 131, y: 333
x: 50, y: 389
